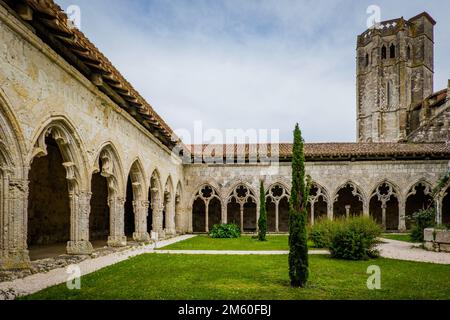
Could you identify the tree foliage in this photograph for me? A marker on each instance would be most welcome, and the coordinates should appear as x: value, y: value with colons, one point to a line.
x: 262, y: 222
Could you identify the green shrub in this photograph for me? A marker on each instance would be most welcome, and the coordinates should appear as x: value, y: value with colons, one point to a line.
x: 322, y: 232
x: 355, y: 239
x: 225, y: 231
x: 421, y: 220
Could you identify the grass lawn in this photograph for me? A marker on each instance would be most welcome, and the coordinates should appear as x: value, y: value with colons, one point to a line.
x: 155, y: 276
x: 398, y: 237
x: 244, y: 243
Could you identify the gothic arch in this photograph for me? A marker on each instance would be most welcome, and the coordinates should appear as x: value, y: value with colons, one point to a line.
x: 277, y: 206
x: 109, y: 166
x: 206, y: 208
x: 72, y: 149
x: 242, y: 206
x: 384, y: 205
x: 136, y: 204
x: 68, y: 150
x: 418, y: 196
x: 13, y: 191
x: 319, y: 202
x: 354, y: 203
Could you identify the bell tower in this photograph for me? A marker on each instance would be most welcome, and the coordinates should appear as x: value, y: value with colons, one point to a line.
x: 395, y: 68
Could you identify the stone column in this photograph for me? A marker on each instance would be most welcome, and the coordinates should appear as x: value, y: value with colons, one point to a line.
x: 366, y: 209
x: 117, y: 236
x: 383, y: 214
x: 13, y: 224
x: 242, y: 217
x: 439, y: 210
x: 224, y: 213
x: 80, y: 208
x: 140, y: 217
x: 207, y: 216
x: 157, y: 219
x: 347, y: 211
x: 312, y: 212
x: 170, y: 216
x: 330, y: 211
x: 277, y: 217
x: 402, y: 216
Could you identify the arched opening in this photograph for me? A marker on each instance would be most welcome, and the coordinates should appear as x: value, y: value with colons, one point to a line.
x: 242, y: 204
x: 317, y: 201
x: 99, y: 217
x: 392, y: 51
x: 367, y: 60
x: 384, y: 206
x: 234, y: 212
x: 250, y: 223
x: 271, y: 208
x: 198, y: 216
x: 276, y: 209
x: 446, y: 208
x: 349, y: 202
x: 419, y: 198
x: 129, y: 221
x: 408, y: 53
x: 48, y: 204
x: 383, y: 52
x: 214, y: 212
x: 283, y: 211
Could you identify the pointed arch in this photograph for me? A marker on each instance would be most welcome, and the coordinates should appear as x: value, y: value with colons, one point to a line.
x: 206, y: 208
x: 418, y: 197
x: 319, y: 201
x: 384, y: 205
x: 349, y: 200
x: 277, y: 195
x: 242, y: 207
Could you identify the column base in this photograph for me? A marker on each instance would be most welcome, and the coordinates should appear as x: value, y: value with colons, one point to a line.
x: 117, y: 241
x: 79, y: 248
x: 141, y: 237
x: 15, y: 260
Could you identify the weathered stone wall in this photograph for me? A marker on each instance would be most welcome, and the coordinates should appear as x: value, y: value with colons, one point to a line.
x: 366, y: 176
x: 42, y: 95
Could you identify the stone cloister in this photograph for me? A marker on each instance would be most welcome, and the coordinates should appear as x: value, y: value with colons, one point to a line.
x: 85, y: 161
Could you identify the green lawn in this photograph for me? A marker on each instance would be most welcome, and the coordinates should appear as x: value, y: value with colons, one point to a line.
x: 156, y: 276
x: 244, y: 243
x: 398, y: 237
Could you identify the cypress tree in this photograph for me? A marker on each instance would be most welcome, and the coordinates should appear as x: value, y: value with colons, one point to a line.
x: 298, y: 240
x: 262, y: 222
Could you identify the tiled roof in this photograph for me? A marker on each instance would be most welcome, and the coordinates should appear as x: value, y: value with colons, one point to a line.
x: 54, y: 28
x: 327, y: 151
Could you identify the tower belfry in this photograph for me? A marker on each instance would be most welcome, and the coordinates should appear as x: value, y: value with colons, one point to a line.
x: 395, y: 68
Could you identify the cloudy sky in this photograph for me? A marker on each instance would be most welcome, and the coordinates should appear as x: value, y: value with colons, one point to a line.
x: 249, y: 64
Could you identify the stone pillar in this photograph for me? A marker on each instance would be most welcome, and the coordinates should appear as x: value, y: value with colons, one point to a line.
x: 242, y: 217
x: 277, y: 217
x: 366, y: 209
x: 439, y: 210
x: 207, y: 217
x: 224, y: 213
x: 117, y: 236
x: 13, y: 224
x: 140, y: 217
x: 347, y: 211
x: 157, y: 220
x: 402, y: 216
x: 170, y: 216
x: 80, y: 208
x: 312, y: 212
x: 383, y: 214
x: 330, y: 211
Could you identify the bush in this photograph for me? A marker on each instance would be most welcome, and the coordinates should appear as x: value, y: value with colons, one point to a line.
x: 421, y: 220
x: 322, y: 232
x: 355, y: 239
x: 225, y: 231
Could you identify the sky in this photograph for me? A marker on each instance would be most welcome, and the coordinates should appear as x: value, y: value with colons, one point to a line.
x: 249, y: 64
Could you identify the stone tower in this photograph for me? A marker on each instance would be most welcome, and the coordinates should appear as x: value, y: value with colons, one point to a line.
x: 395, y: 63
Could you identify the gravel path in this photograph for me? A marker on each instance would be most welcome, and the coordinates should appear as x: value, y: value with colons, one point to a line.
x: 400, y: 250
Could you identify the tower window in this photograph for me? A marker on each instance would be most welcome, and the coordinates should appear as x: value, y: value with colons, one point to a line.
x: 408, y: 53
x: 383, y: 52
x: 367, y: 60
x: 392, y: 51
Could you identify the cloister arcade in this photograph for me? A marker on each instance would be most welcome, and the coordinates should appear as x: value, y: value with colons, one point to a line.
x: 386, y: 205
